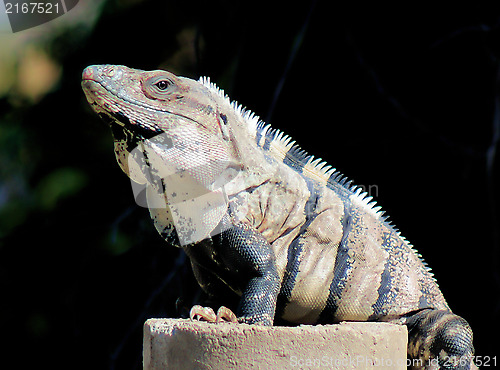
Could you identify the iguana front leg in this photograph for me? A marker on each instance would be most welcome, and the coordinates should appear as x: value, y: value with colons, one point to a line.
x: 253, y: 274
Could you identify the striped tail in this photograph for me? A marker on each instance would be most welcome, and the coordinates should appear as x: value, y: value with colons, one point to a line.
x: 439, y: 340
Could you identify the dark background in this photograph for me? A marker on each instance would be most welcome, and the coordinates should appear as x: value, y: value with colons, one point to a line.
x: 403, y: 100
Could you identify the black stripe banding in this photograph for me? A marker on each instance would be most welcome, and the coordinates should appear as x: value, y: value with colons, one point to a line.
x: 385, y: 290
x: 295, y: 250
x: 342, y: 269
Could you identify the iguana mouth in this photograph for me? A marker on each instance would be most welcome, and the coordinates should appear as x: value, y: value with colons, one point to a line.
x: 120, y: 122
x: 131, y: 134
x: 123, y: 127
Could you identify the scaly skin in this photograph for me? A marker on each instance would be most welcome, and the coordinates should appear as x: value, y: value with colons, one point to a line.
x: 260, y: 218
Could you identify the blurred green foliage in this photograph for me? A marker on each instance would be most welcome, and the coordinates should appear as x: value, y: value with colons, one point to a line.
x: 59, y: 184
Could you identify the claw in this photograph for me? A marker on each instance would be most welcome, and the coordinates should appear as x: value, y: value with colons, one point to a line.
x: 200, y: 313
x: 224, y: 314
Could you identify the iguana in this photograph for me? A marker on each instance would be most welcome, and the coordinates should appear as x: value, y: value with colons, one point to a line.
x: 259, y: 217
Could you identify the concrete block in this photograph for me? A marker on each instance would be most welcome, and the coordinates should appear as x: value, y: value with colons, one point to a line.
x: 185, y: 344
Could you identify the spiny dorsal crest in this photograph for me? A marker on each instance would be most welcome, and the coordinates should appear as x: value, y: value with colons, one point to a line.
x: 283, y: 148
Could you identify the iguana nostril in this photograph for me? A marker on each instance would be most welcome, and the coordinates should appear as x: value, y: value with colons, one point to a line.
x: 88, y: 73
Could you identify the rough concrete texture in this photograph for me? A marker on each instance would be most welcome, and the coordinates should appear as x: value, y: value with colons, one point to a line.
x: 184, y: 344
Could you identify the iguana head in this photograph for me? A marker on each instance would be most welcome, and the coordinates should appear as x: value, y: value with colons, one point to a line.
x: 178, y: 120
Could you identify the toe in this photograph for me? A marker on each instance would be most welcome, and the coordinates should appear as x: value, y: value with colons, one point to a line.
x: 224, y: 314
x: 200, y: 313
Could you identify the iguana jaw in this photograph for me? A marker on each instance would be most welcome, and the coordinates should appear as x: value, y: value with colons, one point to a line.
x: 111, y: 105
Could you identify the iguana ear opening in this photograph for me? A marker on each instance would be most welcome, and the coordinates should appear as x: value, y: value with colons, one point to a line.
x: 222, y: 120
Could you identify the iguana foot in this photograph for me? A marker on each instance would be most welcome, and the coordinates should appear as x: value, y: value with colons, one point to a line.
x: 224, y: 314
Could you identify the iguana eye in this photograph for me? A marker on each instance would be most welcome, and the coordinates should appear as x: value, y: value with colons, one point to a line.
x: 159, y: 85
x: 162, y: 85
